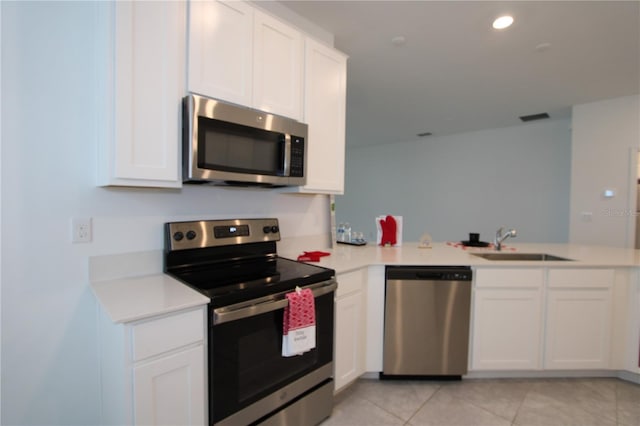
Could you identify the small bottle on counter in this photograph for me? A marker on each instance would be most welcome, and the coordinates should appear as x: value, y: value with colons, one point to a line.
x: 347, y: 233
x: 340, y: 232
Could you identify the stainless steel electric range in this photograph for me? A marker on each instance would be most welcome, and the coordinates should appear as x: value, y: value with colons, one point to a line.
x: 235, y: 263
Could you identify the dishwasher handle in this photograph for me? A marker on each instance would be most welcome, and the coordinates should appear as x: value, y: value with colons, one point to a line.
x: 440, y: 273
x: 431, y: 276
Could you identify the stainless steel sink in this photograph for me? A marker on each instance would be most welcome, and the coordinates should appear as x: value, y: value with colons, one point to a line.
x: 537, y: 257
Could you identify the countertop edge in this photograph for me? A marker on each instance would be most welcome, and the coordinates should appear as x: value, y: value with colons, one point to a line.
x: 133, y: 299
x: 344, y: 258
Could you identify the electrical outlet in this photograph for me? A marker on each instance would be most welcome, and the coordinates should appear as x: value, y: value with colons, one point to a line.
x: 81, y: 230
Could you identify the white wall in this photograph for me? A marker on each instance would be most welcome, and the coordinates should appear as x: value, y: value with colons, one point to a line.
x: 49, y: 122
x: 473, y: 182
x: 606, y: 138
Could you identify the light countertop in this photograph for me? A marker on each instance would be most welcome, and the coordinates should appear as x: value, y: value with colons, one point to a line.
x: 127, y: 299
x: 345, y: 258
x: 131, y: 299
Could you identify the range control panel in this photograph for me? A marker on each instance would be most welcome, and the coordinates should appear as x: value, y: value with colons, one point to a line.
x: 214, y: 233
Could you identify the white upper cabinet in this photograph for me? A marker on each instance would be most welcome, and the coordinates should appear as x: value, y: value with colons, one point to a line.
x: 157, y: 52
x: 241, y: 55
x: 325, y: 94
x: 146, y: 45
x: 221, y: 50
x: 277, y: 67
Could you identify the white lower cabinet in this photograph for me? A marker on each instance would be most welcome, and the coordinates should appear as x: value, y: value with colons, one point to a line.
x: 168, y: 390
x: 350, y: 328
x: 551, y: 319
x: 153, y: 371
x: 579, y: 316
x: 507, y: 319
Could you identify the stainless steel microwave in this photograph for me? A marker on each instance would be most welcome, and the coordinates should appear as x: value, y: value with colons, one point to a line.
x: 233, y: 145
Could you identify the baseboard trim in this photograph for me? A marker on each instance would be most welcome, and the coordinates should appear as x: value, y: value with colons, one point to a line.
x: 541, y: 374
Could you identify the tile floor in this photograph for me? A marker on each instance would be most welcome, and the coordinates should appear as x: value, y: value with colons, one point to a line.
x: 495, y: 402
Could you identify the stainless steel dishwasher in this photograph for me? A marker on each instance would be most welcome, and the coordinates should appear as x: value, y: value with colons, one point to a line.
x: 426, y: 321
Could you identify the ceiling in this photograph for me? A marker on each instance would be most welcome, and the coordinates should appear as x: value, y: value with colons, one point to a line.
x: 454, y: 73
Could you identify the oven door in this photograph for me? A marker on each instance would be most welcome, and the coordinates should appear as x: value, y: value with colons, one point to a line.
x: 248, y: 376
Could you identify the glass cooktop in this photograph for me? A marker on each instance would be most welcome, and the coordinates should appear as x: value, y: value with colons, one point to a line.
x: 232, y: 282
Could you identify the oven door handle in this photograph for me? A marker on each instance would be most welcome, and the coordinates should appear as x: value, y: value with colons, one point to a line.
x: 266, y: 304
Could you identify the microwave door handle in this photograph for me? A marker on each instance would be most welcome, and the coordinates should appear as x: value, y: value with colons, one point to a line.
x: 266, y: 304
x: 286, y: 157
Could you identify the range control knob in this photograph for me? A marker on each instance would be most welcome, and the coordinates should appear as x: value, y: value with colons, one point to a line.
x: 274, y: 229
x: 178, y: 236
x: 191, y: 235
x: 266, y: 229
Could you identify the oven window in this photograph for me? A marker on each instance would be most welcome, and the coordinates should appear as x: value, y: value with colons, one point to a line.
x: 247, y: 362
x: 235, y: 148
x: 256, y: 372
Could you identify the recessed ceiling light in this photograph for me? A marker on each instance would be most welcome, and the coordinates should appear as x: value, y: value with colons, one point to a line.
x: 503, y: 22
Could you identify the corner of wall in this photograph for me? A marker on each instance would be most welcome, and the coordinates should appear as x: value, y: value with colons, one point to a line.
x: 605, y: 135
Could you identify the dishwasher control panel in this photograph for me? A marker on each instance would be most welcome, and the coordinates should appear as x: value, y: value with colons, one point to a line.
x: 430, y: 273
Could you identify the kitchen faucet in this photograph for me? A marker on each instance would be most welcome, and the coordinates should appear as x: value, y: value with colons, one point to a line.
x: 500, y: 237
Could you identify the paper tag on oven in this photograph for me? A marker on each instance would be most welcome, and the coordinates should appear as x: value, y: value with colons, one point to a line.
x: 298, y: 341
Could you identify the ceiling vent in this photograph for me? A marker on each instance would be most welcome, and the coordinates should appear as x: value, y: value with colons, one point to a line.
x: 534, y: 117
x: 423, y: 134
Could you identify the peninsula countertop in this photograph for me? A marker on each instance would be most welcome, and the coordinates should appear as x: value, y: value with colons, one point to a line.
x: 142, y: 293
x: 344, y: 258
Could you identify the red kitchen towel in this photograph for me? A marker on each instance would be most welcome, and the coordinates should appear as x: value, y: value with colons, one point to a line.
x: 312, y: 256
x: 299, y: 323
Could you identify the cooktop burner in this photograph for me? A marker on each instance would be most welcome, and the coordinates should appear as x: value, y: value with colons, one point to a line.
x: 231, y: 261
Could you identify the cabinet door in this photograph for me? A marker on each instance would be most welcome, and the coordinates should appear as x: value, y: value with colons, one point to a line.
x: 349, y: 357
x: 578, y: 329
x: 149, y: 79
x: 324, y: 112
x: 277, y: 67
x: 220, y: 50
x: 171, y: 390
x: 507, y: 326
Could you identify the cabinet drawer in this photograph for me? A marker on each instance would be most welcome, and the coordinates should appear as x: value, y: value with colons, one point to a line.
x: 161, y: 335
x: 585, y: 278
x: 350, y: 282
x: 512, y: 278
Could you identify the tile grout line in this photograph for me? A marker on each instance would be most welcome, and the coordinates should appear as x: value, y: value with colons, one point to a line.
x: 423, y: 404
x: 515, y: 416
x: 404, y: 422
